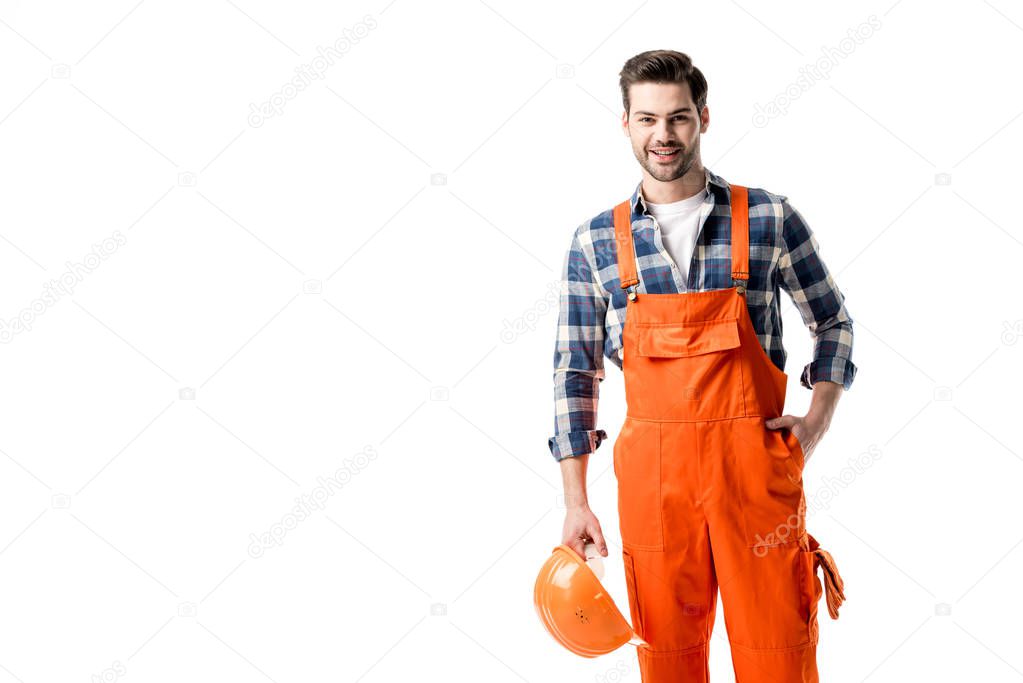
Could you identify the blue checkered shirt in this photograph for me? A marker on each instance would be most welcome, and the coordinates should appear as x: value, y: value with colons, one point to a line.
x: 783, y: 254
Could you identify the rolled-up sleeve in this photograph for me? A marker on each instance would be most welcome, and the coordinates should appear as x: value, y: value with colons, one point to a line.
x: 578, y: 356
x: 804, y: 276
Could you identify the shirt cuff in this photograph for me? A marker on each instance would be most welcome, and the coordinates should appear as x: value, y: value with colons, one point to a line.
x: 573, y: 444
x: 838, y: 370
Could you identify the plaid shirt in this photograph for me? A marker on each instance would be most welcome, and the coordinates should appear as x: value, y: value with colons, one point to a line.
x: 782, y: 255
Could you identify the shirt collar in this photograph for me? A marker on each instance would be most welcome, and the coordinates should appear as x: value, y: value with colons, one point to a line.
x: 638, y: 204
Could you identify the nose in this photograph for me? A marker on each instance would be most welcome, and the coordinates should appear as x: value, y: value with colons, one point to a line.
x: 662, y: 137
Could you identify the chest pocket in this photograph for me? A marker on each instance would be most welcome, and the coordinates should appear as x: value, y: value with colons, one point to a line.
x: 689, y: 370
x: 682, y: 340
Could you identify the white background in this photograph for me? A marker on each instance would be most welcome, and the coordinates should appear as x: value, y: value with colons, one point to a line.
x: 333, y: 283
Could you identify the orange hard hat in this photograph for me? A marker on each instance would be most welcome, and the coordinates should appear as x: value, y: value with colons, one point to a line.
x: 575, y: 608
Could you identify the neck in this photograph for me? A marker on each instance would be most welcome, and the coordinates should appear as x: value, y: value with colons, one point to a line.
x: 658, y: 192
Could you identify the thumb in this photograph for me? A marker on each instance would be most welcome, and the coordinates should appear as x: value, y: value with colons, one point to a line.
x: 779, y: 422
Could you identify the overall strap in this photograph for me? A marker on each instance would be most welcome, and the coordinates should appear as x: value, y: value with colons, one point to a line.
x: 625, y: 251
x: 740, y: 237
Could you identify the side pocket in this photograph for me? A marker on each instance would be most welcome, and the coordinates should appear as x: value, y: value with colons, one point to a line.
x: 770, y: 485
x: 637, y: 454
x: 795, y: 447
x: 630, y: 584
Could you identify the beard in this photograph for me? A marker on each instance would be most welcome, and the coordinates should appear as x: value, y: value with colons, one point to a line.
x: 666, y: 172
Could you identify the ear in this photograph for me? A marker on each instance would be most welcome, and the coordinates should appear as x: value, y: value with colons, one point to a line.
x: 625, y: 123
x: 704, y: 119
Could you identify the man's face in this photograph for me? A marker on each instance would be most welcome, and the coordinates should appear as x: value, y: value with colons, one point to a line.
x: 665, y: 128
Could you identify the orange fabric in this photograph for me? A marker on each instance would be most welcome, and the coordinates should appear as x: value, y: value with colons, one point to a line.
x: 627, y: 269
x: 740, y: 233
x: 709, y: 497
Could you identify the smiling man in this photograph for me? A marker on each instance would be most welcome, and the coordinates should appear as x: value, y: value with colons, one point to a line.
x: 679, y: 286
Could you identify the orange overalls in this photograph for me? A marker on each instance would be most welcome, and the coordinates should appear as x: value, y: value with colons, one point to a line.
x: 708, y: 496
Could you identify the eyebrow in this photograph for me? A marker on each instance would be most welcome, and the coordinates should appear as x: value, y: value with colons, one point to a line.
x: 677, y: 111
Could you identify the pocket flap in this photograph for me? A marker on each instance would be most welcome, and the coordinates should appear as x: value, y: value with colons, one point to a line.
x: 678, y: 340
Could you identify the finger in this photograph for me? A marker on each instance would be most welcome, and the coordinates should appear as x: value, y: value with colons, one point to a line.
x: 577, y: 545
x: 598, y: 538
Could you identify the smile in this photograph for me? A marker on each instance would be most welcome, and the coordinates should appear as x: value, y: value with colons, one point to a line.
x: 666, y: 153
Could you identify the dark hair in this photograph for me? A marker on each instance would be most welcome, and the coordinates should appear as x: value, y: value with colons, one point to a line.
x: 663, y: 66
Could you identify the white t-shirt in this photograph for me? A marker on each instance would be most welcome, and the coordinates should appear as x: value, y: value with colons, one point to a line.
x: 680, y: 224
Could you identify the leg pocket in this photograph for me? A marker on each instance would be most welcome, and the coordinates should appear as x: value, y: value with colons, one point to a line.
x: 635, y: 610
x: 812, y: 591
x: 637, y: 458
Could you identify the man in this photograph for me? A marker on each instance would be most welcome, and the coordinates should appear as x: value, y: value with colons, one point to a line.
x: 679, y: 287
